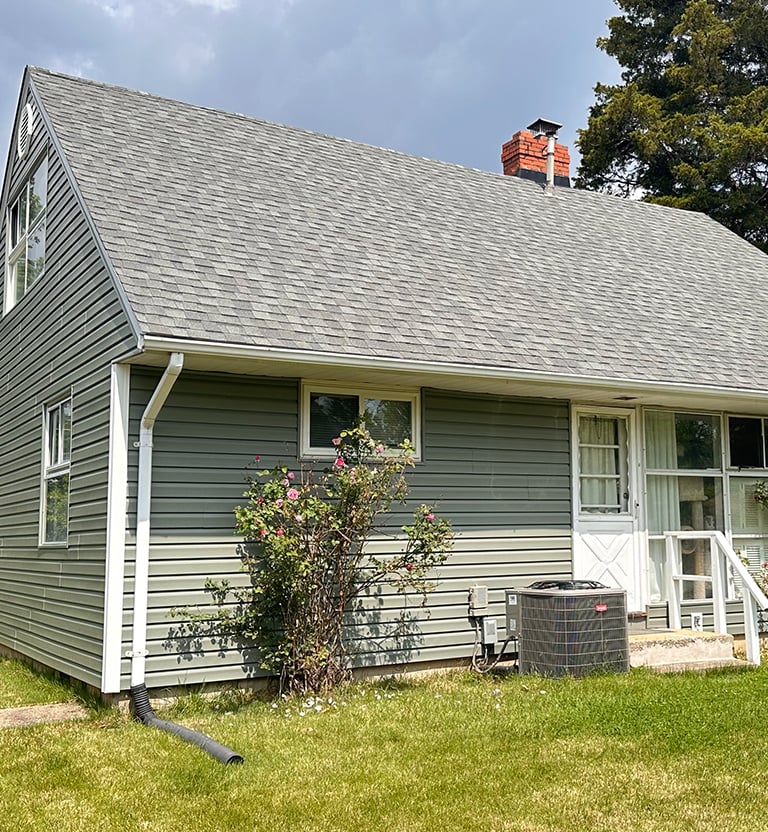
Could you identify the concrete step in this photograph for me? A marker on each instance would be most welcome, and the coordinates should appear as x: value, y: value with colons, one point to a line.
x: 700, y: 666
x: 675, y: 649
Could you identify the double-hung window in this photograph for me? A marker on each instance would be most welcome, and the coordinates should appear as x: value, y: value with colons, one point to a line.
x: 390, y: 417
x: 26, y: 235
x: 55, y: 490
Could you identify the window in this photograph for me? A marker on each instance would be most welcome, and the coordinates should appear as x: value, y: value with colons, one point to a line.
x: 389, y: 417
x: 747, y: 442
x: 57, y: 452
x: 747, y: 437
x: 26, y: 235
x: 603, y: 465
x: 684, y: 491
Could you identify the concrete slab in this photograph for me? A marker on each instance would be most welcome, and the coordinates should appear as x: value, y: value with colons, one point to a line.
x: 37, y: 714
x: 656, y: 648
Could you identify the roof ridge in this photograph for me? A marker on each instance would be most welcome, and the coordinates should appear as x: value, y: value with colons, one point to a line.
x: 255, y: 119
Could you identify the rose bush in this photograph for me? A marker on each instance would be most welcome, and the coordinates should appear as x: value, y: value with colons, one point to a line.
x: 305, y: 552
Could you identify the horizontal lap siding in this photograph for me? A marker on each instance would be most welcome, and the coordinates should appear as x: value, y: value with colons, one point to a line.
x: 206, y: 436
x: 734, y: 615
x: 62, y: 336
x: 498, y: 468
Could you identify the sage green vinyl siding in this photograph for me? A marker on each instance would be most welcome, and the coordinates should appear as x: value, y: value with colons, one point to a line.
x: 497, y: 467
x: 58, y: 340
x: 658, y: 616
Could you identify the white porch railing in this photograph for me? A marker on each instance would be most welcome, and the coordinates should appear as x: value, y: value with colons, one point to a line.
x: 722, y: 556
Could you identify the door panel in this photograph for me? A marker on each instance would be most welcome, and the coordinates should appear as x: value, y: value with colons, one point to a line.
x: 606, y: 554
x: 605, y: 540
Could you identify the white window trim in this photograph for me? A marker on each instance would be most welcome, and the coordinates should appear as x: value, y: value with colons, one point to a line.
x: 13, y: 256
x: 362, y: 392
x: 51, y: 471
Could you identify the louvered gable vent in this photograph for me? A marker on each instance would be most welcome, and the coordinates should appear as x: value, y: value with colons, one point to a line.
x: 26, y: 127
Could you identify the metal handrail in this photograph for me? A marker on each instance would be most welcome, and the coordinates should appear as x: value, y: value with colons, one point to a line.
x: 721, y: 554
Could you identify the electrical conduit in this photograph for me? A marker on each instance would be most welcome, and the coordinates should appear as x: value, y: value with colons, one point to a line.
x: 138, y: 652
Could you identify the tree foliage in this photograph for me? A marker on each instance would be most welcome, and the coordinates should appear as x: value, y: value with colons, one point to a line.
x: 688, y: 127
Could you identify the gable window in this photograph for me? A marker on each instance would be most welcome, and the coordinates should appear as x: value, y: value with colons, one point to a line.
x: 55, y: 496
x: 390, y: 417
x: 26, y: 235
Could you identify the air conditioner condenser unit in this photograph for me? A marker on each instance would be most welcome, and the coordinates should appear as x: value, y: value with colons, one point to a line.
x: 569, y: 631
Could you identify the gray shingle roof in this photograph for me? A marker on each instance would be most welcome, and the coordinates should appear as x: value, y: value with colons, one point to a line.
x: 227, y: 228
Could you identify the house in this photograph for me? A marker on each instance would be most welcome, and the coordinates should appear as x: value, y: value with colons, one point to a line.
x: 186, y: 288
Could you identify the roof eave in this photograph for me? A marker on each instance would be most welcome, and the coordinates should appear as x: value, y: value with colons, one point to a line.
x: 222, y: 355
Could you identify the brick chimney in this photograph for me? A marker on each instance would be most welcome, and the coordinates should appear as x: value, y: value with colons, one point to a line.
x: 525, y: 155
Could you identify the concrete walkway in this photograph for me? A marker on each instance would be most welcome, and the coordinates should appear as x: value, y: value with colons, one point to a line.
x: 37, y: 714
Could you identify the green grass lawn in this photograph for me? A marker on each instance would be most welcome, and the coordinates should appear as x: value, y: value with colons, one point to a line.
x: 19, y: 685
x: 637, y: 753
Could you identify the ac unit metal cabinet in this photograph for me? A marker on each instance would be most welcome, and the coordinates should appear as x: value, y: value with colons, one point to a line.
x: 570, y: 632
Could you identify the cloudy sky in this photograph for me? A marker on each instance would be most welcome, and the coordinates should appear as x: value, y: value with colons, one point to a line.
x: 448, y: 79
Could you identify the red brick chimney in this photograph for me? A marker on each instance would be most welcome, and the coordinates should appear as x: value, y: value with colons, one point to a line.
x: 525, y: 155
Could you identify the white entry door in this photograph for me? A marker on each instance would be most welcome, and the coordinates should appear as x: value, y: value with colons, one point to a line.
x: 606, y: 501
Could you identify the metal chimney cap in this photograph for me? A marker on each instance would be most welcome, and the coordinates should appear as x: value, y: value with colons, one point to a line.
x: 542, y: 127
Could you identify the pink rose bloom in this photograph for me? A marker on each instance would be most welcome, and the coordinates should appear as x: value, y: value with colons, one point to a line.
x: 292, y: 494
x: 379, y: 449
x: 336, y: 442
x: 291, y: 475
x: 430, y: 517
x: 257, y: 458
x: 263, y: 532
x: 299, y: 518
x: 279, y: 532
x: 259, y: 500
x: 410, y: 567
x: 278, y: 502
x: 339, y: 463
x: 286, y: 482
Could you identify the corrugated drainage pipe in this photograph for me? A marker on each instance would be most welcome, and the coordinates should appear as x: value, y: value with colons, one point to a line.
x: 144, y: 712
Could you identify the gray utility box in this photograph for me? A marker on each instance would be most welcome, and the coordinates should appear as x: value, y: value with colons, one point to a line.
x: 569, y: 632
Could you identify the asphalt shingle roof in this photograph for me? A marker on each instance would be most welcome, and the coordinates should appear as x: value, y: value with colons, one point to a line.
x: 227, y: 228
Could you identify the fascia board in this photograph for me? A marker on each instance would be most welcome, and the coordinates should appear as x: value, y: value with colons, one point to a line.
x: 256, y: 353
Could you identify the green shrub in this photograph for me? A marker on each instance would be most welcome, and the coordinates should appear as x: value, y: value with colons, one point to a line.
x: 305, y: 552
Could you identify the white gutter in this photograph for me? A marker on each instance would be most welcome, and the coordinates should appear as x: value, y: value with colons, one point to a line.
x: 222, y: 349
x: 138, y: 652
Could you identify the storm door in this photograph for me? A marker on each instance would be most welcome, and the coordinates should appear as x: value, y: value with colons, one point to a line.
x: 605, y: 538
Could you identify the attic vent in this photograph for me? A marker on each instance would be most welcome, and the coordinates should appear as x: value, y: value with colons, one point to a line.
x: 26, y: 127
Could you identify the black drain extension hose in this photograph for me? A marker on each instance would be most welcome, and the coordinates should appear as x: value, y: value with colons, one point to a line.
x: 144, y: 712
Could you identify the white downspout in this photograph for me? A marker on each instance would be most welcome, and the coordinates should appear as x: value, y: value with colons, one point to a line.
x: 138, y: 651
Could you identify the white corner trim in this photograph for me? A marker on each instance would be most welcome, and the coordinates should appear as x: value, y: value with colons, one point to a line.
x: 117, y: 497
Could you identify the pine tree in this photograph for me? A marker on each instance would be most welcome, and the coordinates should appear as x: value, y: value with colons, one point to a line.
x: 688, y: 127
